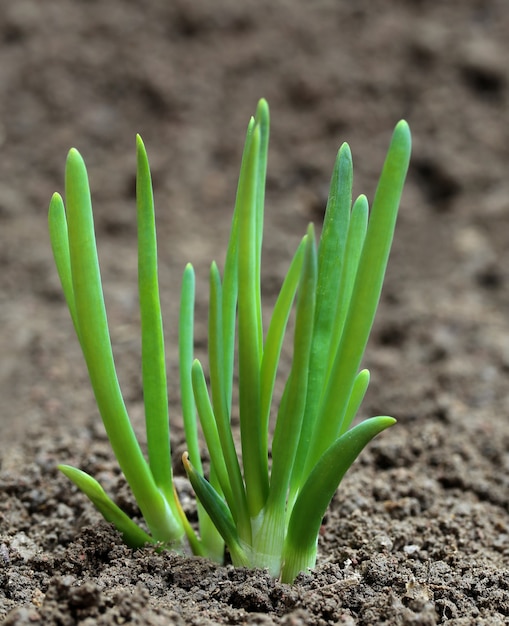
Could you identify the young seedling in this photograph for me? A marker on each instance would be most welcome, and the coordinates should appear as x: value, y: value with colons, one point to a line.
x: 269, y: 514
x: 265, y: 501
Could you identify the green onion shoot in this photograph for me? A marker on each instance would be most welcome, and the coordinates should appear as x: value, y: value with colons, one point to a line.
x: 264, y: 498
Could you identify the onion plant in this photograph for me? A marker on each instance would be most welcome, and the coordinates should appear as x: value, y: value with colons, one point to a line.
x: 266, y: 498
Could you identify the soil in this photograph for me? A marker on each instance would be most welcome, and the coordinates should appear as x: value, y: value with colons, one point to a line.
x: 418, y: 532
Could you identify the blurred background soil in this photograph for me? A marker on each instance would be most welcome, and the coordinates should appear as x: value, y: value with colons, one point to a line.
x: 419, y: 532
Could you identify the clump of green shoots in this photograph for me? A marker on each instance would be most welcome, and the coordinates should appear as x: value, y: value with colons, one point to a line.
x: 265, y: 502
x: 74, y: 249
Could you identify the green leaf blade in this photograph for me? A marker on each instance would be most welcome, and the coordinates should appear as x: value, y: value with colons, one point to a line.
x: 254, y: 444
x: 291, y: 414
x: 155, y: 393
x: 59, y: 238
x: 132, y: 534
x: 354, y: 245
x: 218, y: 382
x: 227, y: 477
x: 186, y: 358
x: 218, y: 512
x: 276, y: 333
x: 317, y: 492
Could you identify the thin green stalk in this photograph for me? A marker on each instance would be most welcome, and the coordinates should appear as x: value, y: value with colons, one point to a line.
x: 209, y: 427
x: 186, y: 357
x: 155, y: 390
x: 354, y: 245
x: 262, y: 119
x: 211, y: 542
x: 289, y: 421
x: 360, y: 386
x: 59, y: 238
x: 231, y: 276
x: 250, y: 340
x: 219, y: 513
x: 276, y: 333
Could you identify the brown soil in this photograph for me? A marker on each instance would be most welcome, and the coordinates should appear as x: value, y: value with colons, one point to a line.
x: 419, y: 531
